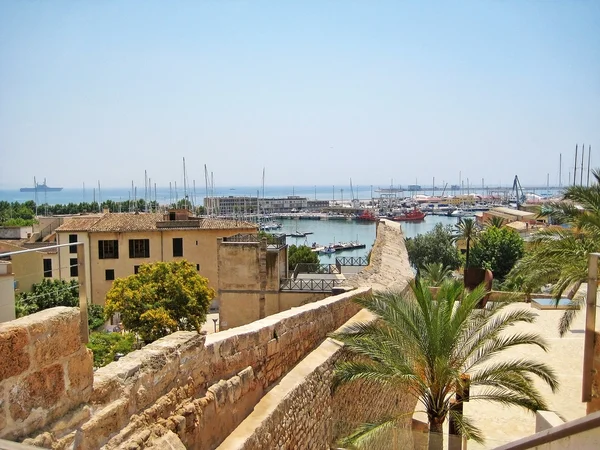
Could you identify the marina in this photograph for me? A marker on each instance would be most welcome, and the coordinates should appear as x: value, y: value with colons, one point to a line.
x: 326, y: 234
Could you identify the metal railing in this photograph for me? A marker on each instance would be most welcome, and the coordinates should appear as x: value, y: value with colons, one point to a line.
x: 289, y: 284
x: 327, y: 269
x: 351, y: 261
x: 273, y: 240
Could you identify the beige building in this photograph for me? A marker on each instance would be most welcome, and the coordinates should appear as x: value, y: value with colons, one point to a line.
x: 118, y: 243
x: 30, y: 268
x: 254, y: 280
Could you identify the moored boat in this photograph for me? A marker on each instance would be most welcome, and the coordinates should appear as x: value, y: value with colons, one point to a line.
x: 411, y: 216
x: 367, y: 216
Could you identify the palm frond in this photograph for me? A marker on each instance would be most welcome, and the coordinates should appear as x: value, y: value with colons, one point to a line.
x: 372, y: 435
x: 466, y: 427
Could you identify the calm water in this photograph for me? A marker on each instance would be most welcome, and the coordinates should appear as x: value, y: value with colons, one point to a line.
x: 164, y: 195
x: 331, y: 231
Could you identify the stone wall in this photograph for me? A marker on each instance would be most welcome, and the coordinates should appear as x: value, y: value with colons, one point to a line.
x: 45, y: 370
x: 200, y: 387
x: 302, y: 412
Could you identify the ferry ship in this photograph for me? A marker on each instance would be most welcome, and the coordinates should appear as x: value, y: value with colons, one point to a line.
x: 40, y: 187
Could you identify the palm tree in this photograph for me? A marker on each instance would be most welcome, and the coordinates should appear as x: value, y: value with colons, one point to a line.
x: 494, y: 221
x: 466, y: 229
x: 424, y: 345
x: 560, y: 255
x: 434, y: 274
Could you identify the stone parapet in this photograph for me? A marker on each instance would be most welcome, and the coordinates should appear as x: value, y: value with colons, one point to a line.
x: 45, y: 371
x: 199, y: 387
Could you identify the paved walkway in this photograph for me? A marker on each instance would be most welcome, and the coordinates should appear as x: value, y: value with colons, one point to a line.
x: 565, y: 356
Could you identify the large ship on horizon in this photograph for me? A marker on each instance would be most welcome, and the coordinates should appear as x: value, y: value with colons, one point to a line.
x: 40, y: 187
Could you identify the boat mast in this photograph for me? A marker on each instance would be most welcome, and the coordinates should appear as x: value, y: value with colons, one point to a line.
x: 207, y: 200
x: 581, y: 176
x: 560, y: 170
x: 575, y: 171
x: 589, y: 162
x: 185, y: 196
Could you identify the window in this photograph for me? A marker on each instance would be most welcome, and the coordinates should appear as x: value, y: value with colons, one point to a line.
x: 108, y: 249
x: 73, y: 267
x: 110, y: 274
x: 47, y: 268
x: 139, y: 248
x: 72, y: 248
x: 177, y: 247
x: 197, y: 266
x: 136, y: 269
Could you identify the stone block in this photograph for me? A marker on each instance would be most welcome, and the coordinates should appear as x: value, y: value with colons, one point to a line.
x: 107, y: 386
x: 42, y: 389
x: 246, y: 379
x: 168, y: 441
x: 13, y: 348
x: 54, y: 335
x: 81, y: 372
x: 95, y: 432
x: 272, y: 347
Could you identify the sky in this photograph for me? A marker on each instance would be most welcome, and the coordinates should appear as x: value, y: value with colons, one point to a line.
x: 314, y: 92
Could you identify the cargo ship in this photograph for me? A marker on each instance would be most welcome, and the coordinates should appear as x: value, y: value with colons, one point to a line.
x: 40, y: 187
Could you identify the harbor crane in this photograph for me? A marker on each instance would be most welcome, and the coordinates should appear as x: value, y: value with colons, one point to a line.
x: 517, y: 192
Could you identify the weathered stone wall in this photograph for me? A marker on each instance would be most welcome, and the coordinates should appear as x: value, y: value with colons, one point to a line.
x: 45, y: 370
x: 200, y: 387
x: 302, y: 412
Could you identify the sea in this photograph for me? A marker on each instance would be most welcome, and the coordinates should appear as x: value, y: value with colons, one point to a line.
x: 166, y: 195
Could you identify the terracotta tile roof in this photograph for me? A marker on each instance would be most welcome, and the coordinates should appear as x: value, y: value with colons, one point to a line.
x: 123, y: 222
x: 119, y: 222
x: 79, y: 223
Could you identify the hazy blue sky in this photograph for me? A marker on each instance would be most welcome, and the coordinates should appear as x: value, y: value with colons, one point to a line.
x: 314, y: 91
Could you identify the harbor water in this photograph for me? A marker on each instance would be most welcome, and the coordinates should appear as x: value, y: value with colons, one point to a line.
x: 325, y: 232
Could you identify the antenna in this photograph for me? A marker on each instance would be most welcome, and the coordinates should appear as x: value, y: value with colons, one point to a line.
x: 99, y: 198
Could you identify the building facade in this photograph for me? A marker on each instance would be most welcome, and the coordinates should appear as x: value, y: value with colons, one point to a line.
x: 118, y: 243
x: 231, y: 206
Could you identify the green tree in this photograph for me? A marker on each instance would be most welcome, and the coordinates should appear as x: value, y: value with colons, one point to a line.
x: 160, y: 299
x: 105, y: 346
x: 497, y: 249
x: 424, y: 345
x: 50, y: 293
x: 466, y: 229
x: 435, y: 246
x: 301, y: 254
x: 435, y: 274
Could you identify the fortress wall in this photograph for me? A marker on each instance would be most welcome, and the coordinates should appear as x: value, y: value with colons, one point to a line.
x: 206, y: 380
x: 45, y: 370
